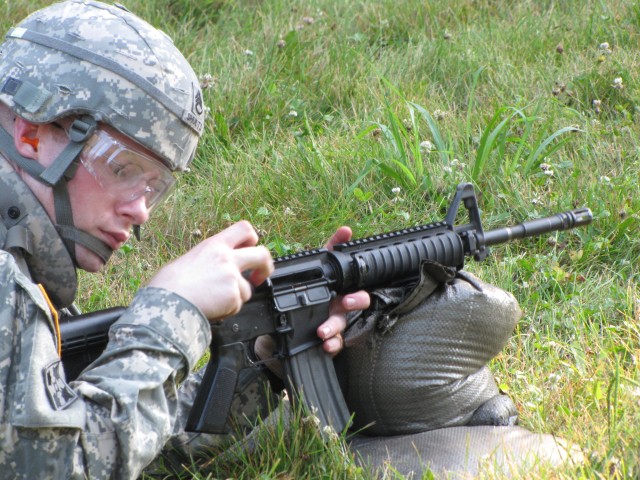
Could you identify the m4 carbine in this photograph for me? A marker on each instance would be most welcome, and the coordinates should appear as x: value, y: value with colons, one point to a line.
x: 294, y: 301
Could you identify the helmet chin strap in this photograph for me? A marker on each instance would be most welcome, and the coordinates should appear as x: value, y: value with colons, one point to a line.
x: 56, y: 176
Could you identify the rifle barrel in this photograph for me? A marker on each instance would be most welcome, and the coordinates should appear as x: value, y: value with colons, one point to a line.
x: 560, y: 221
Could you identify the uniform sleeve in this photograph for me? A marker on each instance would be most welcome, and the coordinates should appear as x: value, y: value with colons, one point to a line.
x: 117, y: 416
x: 131, y: 391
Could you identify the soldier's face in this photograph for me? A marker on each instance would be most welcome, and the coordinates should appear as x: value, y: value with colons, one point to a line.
x: 95, y: 211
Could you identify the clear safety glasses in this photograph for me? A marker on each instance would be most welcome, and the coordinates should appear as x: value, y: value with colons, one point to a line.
x: 124, y: 173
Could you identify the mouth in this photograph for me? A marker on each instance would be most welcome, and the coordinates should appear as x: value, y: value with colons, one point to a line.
x: 115, y: 240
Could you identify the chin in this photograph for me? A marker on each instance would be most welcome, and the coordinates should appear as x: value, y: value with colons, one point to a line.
x: 88, y: 261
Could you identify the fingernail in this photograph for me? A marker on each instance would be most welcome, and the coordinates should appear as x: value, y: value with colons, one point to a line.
x: 350, y: 302
x: 326, y: 331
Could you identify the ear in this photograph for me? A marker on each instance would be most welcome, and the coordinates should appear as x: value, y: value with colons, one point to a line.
x: 25, y: 138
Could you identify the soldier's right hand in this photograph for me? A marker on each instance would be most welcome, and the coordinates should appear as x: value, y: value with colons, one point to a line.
x: 211, y: 274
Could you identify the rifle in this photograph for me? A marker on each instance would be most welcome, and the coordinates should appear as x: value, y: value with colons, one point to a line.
x: 294, y: 301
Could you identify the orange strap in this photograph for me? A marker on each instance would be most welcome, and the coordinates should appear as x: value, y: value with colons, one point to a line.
x: 56, y: 321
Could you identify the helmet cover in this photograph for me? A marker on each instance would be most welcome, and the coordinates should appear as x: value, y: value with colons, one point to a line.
x: 84, y: 57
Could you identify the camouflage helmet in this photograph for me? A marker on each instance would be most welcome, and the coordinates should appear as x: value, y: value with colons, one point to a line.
x: 81, y: 57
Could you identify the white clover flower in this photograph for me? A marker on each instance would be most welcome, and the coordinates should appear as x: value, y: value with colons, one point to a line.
x: 426, y: 146
x: 554, y: 378
x: 281, y: 43
x: 396, y: 190
x: 439, y: 114
x: 605, y: 48
x: 548, y: 173
x: 288, y: 211
x: 207, y: 81
x: 447, y: 169
x: 248, y: 52
x: 605, y: 179
x: 458, y: 164
x: 311, y: 420
x: 596, y: 105
x: 544, y: 167
x: 329, y: 432
x: 293, y: 113
x: 308, y: 20
x: 617, y: 83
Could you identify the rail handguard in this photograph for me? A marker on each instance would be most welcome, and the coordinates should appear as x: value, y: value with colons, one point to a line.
x: 295, y: 300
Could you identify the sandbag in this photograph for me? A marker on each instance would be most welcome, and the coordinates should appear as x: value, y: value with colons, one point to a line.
x: 416, y: 360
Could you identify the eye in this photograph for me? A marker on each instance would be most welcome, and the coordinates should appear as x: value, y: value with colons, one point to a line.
x: 156, y: 185
x: 126, y: 172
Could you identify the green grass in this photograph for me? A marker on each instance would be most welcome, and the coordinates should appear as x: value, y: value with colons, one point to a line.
x: 319, y: 110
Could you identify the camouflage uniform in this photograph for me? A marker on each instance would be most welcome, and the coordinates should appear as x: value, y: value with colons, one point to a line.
x: 97, y: 63
x: 117, y: 416
x: 86, y: 59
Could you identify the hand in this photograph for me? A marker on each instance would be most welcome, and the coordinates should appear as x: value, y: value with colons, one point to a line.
x: 210, y: 274
x: 331, y: 330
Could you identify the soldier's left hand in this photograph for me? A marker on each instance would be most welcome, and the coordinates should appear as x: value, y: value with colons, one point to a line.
x: 331, y: 330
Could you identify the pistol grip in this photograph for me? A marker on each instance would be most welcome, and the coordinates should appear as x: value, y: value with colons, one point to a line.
x: 212, y: 405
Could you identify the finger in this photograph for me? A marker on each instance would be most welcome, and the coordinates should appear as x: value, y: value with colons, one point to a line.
x: 258, y: 276
x: 258, y: 260
x: 246, y: 291
x: 352, y: 302
x: 235, y: 293
x: 240, y: 234
x: 333, y: 345
x: 333, y: 326
x: 343, y: 234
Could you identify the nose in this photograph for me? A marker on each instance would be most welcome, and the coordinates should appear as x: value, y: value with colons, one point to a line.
x: 135, y: 210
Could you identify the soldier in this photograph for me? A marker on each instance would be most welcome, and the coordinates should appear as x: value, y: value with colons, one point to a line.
x: 97, y: 111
